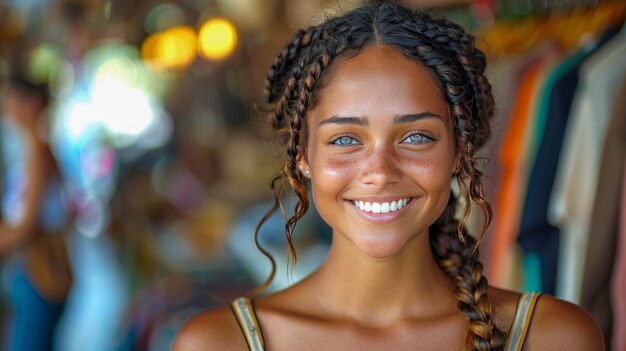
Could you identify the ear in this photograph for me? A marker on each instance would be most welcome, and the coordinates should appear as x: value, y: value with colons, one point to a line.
x: 457, y: 163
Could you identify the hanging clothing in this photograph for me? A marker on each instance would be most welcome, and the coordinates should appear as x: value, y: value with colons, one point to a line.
x: 572, y: 200
x: 513, y: 158
x: 504, y: 75
x: 601, y: 232
x: 536, y: 234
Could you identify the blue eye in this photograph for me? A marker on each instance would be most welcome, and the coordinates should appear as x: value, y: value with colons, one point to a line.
x: 344, y: 141
x: 417, y: 139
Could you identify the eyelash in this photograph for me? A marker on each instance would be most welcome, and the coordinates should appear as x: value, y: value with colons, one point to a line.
x: 336, y: 141
x: 426, y: 137
x: 353, y: 141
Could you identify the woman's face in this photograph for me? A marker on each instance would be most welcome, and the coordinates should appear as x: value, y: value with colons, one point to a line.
x: 380, y: 151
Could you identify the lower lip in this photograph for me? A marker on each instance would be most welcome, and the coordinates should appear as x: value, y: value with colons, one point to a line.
x: 381, y: 218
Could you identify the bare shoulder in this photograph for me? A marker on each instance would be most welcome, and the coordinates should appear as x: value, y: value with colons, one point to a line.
x: 215, y: 329
x: 555, y: 325
x: 560, y: 325
x: 504, y: 303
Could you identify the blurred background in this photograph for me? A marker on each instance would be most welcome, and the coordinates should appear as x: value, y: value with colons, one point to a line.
x: 135, y: 166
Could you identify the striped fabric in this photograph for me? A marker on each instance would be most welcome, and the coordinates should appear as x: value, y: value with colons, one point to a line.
x: 521, y: 323
x: 244, y: 311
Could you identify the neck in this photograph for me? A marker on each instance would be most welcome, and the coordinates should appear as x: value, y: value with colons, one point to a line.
x: 380, y: 291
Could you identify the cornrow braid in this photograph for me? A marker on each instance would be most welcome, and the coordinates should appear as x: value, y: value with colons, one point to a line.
x: 297, y: 123
x: 294, y: 84
x: 296, y: 58
x: 279, y: 92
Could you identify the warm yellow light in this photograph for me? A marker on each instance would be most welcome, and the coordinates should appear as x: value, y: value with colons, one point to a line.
x: 217, y: 39
x: 173, y: 48
x: 149, y: 50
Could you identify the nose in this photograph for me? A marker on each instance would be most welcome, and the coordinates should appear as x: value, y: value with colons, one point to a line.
x: 380, y: 167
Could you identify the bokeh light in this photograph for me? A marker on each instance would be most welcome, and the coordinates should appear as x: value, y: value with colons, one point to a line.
x: 45, y: 62
x: 162, y: 17
x: 249, y: 14
x: 121, y: 69
x: 172, y: 49
x: 217, y: 39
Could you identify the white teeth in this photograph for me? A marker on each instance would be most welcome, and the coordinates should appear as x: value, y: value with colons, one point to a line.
x: 375, y: 207
x: 381, y: 207
x: 384, y: 207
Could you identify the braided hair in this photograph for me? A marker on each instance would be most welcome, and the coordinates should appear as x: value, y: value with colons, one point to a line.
x: 293, y: 87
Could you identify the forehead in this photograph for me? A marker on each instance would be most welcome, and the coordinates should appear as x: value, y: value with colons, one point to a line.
x: 380, y: 81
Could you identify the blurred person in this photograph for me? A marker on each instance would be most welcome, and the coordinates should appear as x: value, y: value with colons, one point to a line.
x: 36, y: 273
x: 380, y: 111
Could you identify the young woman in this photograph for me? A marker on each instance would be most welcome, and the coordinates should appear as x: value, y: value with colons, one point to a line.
x: 381, y: 109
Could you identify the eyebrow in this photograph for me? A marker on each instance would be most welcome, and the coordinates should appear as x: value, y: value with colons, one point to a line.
x: 398, y: 119
x: 364, y: 121
x: 361, y: 121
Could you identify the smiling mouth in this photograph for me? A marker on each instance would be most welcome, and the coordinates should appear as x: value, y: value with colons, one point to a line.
x: 381, y: 207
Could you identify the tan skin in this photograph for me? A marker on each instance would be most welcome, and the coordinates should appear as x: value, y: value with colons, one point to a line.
x: 46, y: 259
x: 380, y: 287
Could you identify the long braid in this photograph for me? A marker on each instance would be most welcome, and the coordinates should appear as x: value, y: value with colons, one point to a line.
x: 293, y: 86
x: 459, y: 260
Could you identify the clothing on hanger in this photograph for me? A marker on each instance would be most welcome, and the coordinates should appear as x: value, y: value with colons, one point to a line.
x: 504, y: 75
x: 513, y: 158
x: 602, y: 231
x: 577, y: 177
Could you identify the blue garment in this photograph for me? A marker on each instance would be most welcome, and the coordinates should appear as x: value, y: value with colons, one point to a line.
x: 32, y: 317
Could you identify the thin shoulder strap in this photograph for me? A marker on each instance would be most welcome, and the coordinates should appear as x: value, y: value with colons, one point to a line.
x: 244, y: 311
x: 523, y: 316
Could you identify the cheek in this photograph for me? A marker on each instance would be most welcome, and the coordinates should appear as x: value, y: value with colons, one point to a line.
x: 333, y: 167
x: 433, y: 171
x: 433, y: 175
x: 329, y: 175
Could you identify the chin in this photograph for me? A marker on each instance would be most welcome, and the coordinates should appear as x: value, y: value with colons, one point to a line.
x: 379, y: 245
